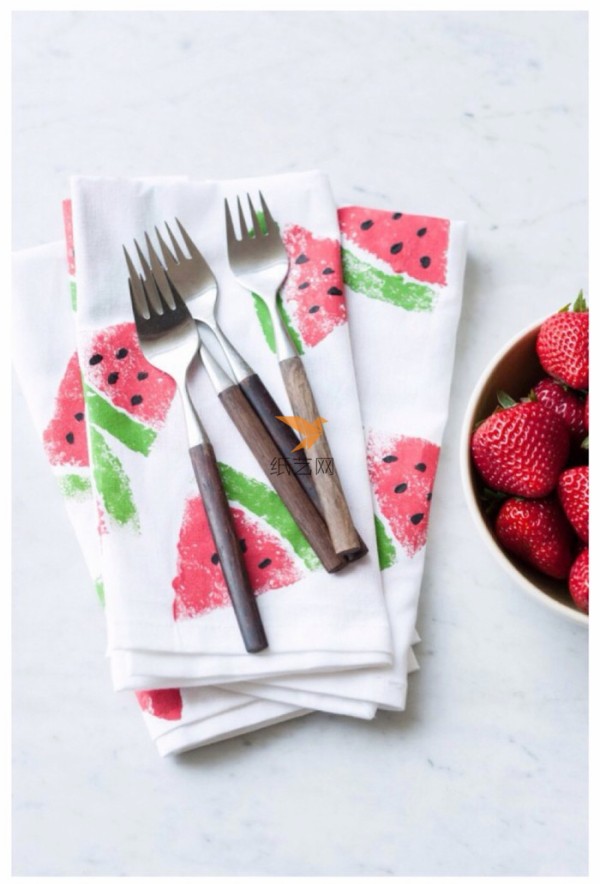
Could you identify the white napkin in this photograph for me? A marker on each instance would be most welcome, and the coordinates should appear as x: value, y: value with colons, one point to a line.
x: 404, y: 282
x: 317, y: 621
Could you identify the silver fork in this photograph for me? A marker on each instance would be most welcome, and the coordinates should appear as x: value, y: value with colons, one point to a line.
x: 196, y: 283
x: 252, y: 429
x: 169, y: 340
x: 260, y: 263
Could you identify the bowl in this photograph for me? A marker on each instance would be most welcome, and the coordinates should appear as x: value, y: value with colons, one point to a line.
x: 514, y: 369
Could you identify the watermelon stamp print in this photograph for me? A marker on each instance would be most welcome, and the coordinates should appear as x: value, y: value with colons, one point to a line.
x: 402, y: 470
x: 394, y: 257
x: 64, y: 438
x: 162, y: 703
x: 312, y: 301
x: 275, y: 552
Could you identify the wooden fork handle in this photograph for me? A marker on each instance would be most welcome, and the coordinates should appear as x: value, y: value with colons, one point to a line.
x: 333, y: 502
x: 301, y: 508
x: 286, y: 440
x: 282, y: 434
x: 228, y: 547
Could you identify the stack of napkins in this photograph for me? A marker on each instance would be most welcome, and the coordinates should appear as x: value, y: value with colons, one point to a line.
x: 372, y: 302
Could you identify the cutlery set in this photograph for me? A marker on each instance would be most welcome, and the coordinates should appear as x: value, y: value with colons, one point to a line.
x: 172, y: 298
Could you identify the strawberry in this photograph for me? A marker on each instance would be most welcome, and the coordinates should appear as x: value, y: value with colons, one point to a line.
x: 579, y: 580
x: 563, y: 402
x: 574, y: 495
x: 563, y: 345
x: 521, y: 449
x: 537, y: 532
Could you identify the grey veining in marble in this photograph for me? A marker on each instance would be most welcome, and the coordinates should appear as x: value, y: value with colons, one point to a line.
x: 479, y: 116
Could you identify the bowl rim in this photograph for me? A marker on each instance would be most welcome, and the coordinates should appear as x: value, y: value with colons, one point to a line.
x: 465, y: 466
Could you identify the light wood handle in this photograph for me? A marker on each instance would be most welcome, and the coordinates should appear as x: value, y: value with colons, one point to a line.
x: 300, y: 506
x: 333, y: 503
x: 228, y: 547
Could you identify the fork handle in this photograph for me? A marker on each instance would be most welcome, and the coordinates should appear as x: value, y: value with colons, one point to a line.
x: 333, y: 502
x: 300, y: 507
x: 286, y: 440
x: 228, y: 547
x: 284, y: 437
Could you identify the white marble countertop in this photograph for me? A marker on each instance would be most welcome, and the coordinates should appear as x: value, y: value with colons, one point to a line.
x: 477, y: 116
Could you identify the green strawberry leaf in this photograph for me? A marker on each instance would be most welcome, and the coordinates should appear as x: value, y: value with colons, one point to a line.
x: 505, y: 400
x: 580, y: 305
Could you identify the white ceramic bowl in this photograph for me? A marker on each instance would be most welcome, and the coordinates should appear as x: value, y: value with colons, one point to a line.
x: 515, y: 369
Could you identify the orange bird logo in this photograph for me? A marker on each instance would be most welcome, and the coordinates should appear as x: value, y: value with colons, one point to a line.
x: 309, y: 431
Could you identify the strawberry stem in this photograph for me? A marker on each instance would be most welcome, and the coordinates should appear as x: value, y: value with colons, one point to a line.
x: 580, y: 305
x: 505, y: 400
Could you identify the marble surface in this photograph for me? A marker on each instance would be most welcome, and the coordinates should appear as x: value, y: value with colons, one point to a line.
x: 479, y: 116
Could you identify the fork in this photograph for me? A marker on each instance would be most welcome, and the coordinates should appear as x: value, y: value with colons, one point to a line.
x: 252, y: 429
x: 196, y: 283
x: 260, y: 263
x: 169, y: 340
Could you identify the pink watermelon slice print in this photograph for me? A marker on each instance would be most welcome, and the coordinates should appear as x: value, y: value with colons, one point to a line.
x: 64, y: 438
x: 164, y: 703
x: 114, y: 364
x: 402, y: 470
x: 411, y: 244
x: 200, y: 586
x: 314, y: 288
x: 410, y: 253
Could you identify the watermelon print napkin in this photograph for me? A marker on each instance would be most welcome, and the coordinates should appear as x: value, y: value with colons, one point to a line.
x: 403, y: 277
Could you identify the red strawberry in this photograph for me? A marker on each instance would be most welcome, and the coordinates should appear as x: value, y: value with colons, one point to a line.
x: 565, y: 403
x: 537, y: 532
x: 563, y: 345
x: 579, y: 580
x: 521, y: 449
x: 574, y: 495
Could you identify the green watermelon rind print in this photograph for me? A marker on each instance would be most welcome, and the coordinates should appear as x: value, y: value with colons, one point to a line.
x: 266, y: 323
x: 111, y: 482
x: 262, y: 501
x: 136, y: 436
x: 365, y: 279
x: 74, y: 484
x: 386, y: 549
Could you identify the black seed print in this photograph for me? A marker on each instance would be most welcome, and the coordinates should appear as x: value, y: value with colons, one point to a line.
x: 142, y: 375
x: 122, y: 353
x: 137, y: 399
x: 328, y: 270
x: 396, y: 215
x: 243, y: 545
x: 390, y: 458
x: 265, y: 563
x: 79, y: 416
x: 366, y: 225
x: 96, y: 358
x: 334, y: 291
x: 214, y: 559
x: 425, y: 261
x: 304, y: 285
x: 314, y: 309
x: 397, y: 247
x: 113, y: 377
x: 418, y: 517
x: 428, y: 496
x: 401, y: 488
x: 421, y: 467
x: 70, y: 438
x: 421, y: 231
x: 301, y: 259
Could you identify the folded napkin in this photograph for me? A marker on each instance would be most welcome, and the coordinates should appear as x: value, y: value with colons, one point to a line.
x: 404, y: 277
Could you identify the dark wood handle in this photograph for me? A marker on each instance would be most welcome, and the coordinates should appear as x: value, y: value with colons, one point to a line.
x: 286, y: 440
x: 228, y: 547
x: 300, y: 506
x: 333, y: 503
x: 284, y: 437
